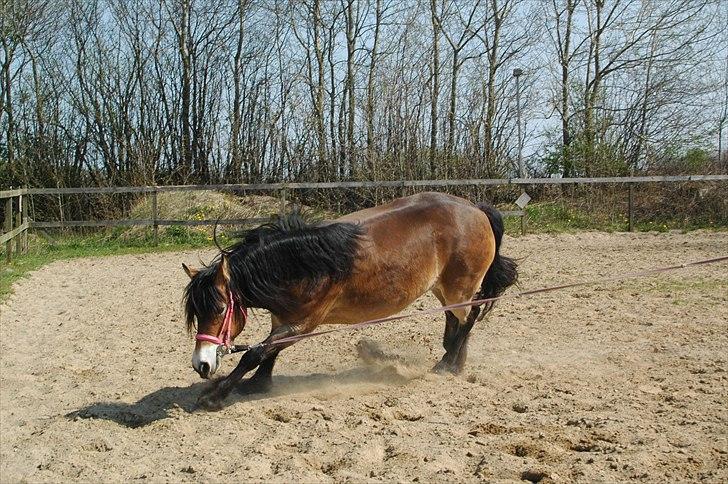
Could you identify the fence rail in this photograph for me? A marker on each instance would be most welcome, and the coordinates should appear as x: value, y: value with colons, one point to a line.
x: 17, y: 223
x: 143, y: 222
x: 360, y: 184
x: 14, y: 233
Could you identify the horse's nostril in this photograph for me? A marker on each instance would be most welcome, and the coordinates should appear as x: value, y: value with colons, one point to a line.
x: 204, y: 368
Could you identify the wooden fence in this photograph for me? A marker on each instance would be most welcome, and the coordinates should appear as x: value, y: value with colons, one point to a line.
x: 17, y: 223
x: 15, y: 228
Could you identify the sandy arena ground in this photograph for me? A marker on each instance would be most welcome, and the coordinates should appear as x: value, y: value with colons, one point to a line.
x: 620, y: 381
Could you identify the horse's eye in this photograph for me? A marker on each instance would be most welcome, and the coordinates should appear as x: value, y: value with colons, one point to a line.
x: 224, y: 310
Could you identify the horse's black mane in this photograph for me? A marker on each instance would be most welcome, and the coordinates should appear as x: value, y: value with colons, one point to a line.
x: 268, y: 260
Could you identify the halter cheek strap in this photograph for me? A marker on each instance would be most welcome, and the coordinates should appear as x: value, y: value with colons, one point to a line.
x: 223, y: 337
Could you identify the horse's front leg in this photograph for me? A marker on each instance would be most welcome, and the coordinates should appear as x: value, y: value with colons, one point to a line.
x: 262, y: 379
x: 212, y: 399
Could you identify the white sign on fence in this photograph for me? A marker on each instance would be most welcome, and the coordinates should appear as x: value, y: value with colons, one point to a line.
x: 523, y: 200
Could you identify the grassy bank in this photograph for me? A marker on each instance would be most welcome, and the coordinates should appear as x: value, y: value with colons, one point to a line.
x: 558, y: 217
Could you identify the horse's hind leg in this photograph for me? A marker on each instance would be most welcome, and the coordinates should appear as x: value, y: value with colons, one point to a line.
x: 462, y: 338
x: 456, y: 351
x: 451, y: 330
x: 458, y: 324
x: 452, y: 322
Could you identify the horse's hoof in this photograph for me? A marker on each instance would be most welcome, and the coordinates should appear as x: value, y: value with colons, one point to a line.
x: 249, y: 387
x: 442, y: 368
x: 209, y: 402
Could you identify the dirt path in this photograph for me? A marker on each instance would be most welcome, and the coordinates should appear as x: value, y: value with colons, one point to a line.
x: 617, y: 382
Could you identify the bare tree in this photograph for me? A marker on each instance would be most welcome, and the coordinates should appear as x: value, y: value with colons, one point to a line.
x: 468, y: 26
x: 561, y: 35
x: 171, y: 91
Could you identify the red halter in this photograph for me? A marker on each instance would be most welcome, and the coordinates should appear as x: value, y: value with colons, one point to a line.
x: 223, y: 337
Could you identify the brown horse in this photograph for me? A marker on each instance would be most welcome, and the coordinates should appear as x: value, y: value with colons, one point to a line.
x: 365, y: 265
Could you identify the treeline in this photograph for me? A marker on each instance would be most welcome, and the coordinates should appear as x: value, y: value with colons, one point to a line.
x: 129, y: 92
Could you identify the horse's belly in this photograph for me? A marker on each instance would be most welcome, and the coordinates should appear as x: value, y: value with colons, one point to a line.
x: 384, y: 292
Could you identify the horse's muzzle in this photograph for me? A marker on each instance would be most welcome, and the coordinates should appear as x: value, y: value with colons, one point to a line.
x: 205, y: 360
x: 204, y: 370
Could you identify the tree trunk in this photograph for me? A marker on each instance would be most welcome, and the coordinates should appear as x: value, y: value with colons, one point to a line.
x: 186, y: 87
x: 235, y: 165
x: 453, y: 99
x: 591, y: 94
x: 435, y: 87
x: 491, y: 92
x: 319, y: 107
x: 371, y: 102
x: 349, y: 161
x: 565, y: 61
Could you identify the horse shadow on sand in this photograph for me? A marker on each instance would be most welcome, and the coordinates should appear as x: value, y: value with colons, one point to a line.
x: 170, y: 401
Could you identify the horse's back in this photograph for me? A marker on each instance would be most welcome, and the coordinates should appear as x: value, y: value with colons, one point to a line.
x: 442, y: 220
x: 420, y: 205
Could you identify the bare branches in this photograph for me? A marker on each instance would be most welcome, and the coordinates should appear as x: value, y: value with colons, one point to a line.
x: 158, y: 91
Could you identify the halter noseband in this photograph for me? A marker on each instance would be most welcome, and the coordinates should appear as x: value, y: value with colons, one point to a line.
x: 223, y: 337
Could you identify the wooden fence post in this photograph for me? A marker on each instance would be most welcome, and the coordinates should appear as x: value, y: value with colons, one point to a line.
x: 630, y: 211
x: 18, y: 223
x: 283, y: 201
x: 26, y: 221
x: 8, y: 227
x: 521, y: 203
x: 155, y: 217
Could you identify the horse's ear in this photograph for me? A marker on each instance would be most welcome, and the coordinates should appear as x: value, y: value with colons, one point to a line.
x: 190, y: 272
x: 223, y: 270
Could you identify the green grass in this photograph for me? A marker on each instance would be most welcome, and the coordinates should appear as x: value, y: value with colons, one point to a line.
x: 557, y: 217
x: 112, y: 242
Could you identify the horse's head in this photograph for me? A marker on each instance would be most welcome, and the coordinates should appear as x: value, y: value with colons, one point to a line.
x: 210, y: 306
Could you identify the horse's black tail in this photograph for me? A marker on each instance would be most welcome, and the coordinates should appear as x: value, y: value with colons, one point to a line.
x: 503, y: 271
